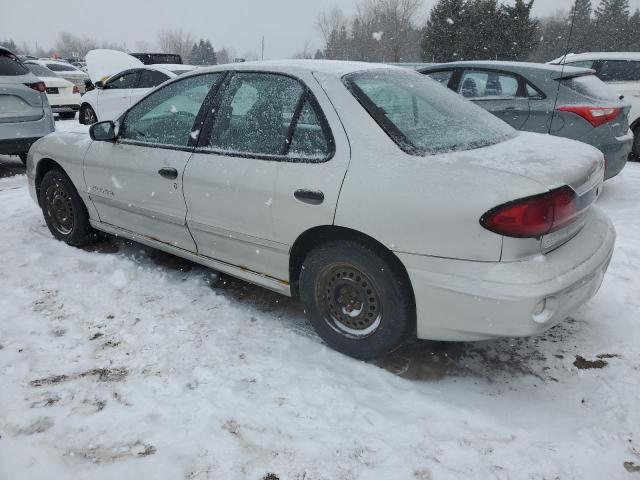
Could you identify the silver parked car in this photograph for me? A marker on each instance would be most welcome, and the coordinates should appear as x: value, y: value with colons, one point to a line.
x: 386, y: 202
x: 563, y: 101
x: 25, y: 114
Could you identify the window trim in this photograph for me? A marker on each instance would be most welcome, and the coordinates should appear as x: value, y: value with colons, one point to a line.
x: 191, y: 143
x: 307, y: 94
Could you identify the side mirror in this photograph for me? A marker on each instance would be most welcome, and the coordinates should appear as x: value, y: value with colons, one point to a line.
x: 103, y: 131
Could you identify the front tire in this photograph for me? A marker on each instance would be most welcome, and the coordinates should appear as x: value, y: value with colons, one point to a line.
x: 87, y: 115
x: 635, y: 152
x: 356, y: 300
x: 64, y: 211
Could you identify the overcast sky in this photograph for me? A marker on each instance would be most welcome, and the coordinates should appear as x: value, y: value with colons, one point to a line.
x: 286, y: 24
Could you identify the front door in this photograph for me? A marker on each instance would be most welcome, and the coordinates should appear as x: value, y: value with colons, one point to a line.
x: 135, y: 182
x: 114, y: 96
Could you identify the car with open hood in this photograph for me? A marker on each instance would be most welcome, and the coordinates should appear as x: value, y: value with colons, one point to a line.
x: 390, y: 205
x: 120, y: 80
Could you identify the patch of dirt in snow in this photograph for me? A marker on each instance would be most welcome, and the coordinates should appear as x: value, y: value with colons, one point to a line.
x: 584, y: 364
x: 101, y: 374
x: 110, y: 453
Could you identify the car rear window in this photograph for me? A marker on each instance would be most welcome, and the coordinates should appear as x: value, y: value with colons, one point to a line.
x: 10, y: 65
x: 590, y: 86
x: 58, y: 67
x: 421, y: 115
x: 39, y: 70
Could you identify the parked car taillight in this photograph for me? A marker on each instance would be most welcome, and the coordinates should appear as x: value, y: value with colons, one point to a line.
x: 39, y: 86
x: 596, y: 116
x: 538, y: 215
x: 76, y: 89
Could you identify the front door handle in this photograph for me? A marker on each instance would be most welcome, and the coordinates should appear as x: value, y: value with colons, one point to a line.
x: 167, y: 172
x: 313, y: 197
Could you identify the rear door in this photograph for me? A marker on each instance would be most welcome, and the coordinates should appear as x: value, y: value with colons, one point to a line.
x: 115, y: 97
x: 18, y: 101
x: 136, y: 182
x: 498, y: 92
x: 147, y: 80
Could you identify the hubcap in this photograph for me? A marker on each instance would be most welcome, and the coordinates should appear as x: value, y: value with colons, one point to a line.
x: 350, y: 301
x: 59, y: 208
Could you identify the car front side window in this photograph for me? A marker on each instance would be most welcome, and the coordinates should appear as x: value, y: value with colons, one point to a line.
x: 255, y: 113
x: 167, y: 116
x: 126, y: 80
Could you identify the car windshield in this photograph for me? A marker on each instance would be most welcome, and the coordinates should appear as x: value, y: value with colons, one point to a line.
x: 39, y: 70
x: 421, y: 115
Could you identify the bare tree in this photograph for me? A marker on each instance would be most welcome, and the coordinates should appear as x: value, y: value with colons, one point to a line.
x: 306, y: 52
x: 69, y: 44
x: 397, y: 24
x: 143, y: 46
x: 225, y: 55
x: 176, y: 41
x: 332, y: 21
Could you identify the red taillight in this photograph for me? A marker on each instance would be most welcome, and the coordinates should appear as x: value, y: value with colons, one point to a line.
x: 76, y: 89
x: 534, y: 216
x: 596, y: 116
x: 39, y: 86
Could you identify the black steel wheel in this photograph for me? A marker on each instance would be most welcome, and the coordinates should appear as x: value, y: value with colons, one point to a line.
x: 64, y: 211
x: 87, y: 115
x: 358, y: 300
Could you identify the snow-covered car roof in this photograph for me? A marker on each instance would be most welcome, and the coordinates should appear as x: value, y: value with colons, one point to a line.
x: 336, y: 68
x: 576, y: 57
x: 555, y: 70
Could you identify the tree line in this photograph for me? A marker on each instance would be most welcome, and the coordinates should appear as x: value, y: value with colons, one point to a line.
x: 391, y: 31
x: 69, y: 45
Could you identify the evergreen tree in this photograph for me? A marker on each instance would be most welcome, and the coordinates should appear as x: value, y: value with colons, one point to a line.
x: 582, y: 35
x: 203, y: 53
x: 520, y: 31
x: 612, y: 23
x: 441, y: 38
x: 634, y: 32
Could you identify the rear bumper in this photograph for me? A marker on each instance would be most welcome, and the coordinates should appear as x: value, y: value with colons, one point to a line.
x: 463, y: 300
x: 16, y: 138
x: 65, y: 103
x: 616, y: 150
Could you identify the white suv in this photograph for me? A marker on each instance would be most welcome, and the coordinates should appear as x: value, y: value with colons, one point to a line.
x: 622, y: 70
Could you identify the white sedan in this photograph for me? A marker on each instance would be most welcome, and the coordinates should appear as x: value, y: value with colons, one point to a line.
x: 63, y: 96
x: 64, y: 70
x: 389, y: 204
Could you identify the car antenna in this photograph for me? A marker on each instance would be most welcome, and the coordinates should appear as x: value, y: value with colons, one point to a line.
x: 564, y: 58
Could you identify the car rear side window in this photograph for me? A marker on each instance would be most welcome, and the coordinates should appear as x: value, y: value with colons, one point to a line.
x: 590, y: 86
x: 480, y: 84
x: 618, y: 70
x: 422, y: 116
x: 151, y: 78
x: 309, y: 139
x: 255, y: 114
x: 10, y: 65
x: 167, y: 116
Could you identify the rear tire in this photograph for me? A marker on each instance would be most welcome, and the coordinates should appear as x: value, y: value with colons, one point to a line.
x: 67, y: 115
x: 87, y: 115
x: 635, y: 152
x: 64, y: 211
x: 356, y: 300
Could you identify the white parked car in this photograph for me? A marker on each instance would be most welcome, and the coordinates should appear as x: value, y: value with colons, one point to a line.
x: 120, y: 80
x: 66, y: 71
x: 388, y: 203
x: 622, y: 71
x: 63, y: 96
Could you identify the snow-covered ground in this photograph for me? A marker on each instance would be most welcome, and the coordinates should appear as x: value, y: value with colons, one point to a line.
x: 118, y: 361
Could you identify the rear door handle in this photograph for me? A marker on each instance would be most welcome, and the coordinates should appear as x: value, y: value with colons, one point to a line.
x: 313, y: 197
x: 170, y: 173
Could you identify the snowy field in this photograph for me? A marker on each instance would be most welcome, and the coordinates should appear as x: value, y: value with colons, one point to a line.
x: 120, y: 362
